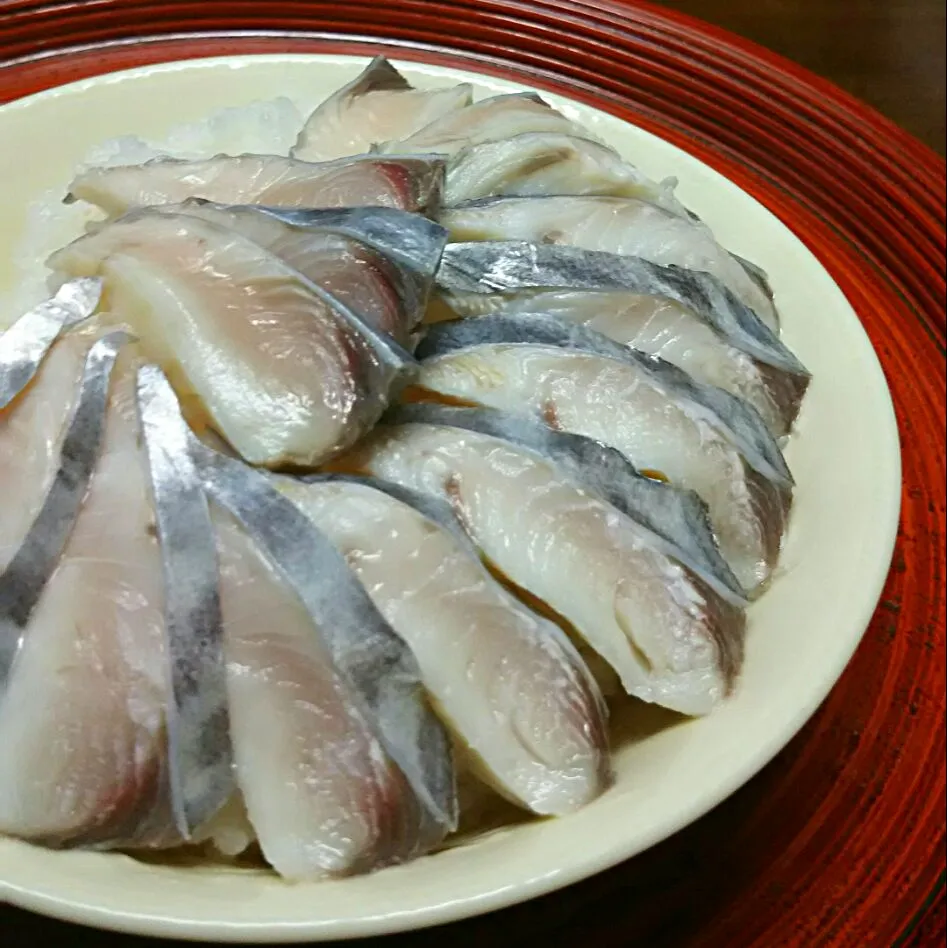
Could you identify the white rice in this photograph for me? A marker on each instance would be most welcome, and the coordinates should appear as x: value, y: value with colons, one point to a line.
x: 268, y: 127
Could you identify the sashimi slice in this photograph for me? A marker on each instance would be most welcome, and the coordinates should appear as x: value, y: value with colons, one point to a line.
x: 84, y: 718
x: 620, y: 225
x: 541, y: 164
x: 653, y: 426
x: 377, y: 106
x: 671, y: 639
x: 509, y: 684
x: 405, y: 183
x: 278, y: 367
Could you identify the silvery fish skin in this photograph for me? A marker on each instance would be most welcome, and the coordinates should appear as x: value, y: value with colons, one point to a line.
x: 512, y: 269
x: 372, y: 659
x: 541, y: 164
x: 676, y: 520
x: 408, y: 183
x: 739, y: 422
x: 322, y: 796
x: 25, y: 344
x: 509, y: 684
x: 200, y: 752
x: 488, y: 120
x: 623, y: 403
x: 671, y: 639
x: 619, y: 225
x: 222, y: 316
x: 378, y: 262
x: 659, y: 327
x: 377, y: 106
x: 83, y: 748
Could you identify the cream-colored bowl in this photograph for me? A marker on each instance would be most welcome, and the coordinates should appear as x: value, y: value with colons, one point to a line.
x: 845, y: 456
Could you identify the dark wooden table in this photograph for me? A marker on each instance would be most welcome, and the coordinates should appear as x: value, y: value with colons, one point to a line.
x: 891, y: 54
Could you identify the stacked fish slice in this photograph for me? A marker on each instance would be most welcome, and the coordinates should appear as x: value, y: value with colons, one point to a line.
x: 278, y: 549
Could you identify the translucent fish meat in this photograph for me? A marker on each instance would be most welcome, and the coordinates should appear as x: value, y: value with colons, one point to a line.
x: 625, y: 226
x: 375, y: 664
x: 550, y: 163
x: 489, y: 120
x: 510, y: 685
x: 677, y: 520
x: 276, y: 365
x: 25, y: 344
x: 83, y: 753
x: 378, y: 262
x: 660, y: 327
x: 573, y: 381
x: 672, y: 640
x: 377, y: 106
x: 483, y: 277
x: 404, y: 183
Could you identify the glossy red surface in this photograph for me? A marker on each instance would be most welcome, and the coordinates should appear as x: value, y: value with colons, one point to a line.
x: 840, y: 842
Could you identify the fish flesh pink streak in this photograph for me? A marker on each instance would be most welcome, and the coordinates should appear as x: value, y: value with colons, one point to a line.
x: 410, y: 183
x: 25, y: 344
x: 542, y: 164
x: 686, y: 317
x: 278, y: 366
x: 378, y: 262
x: 377, y: 106
x: 619, y: 225
x: 671, y: 639
x: 576, y: 382
x: 509, y: 684
x: 83, y: 718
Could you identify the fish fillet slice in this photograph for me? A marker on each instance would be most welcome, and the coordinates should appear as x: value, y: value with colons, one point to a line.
x: 408, y: 184
x: 672, y: 641
x: 377, y: 106
x: 618, y: 405
x: 271, y: 361
x: 321, y: 793
x: 509, y: 683
x: 83, y: 722
x: 623, y: 226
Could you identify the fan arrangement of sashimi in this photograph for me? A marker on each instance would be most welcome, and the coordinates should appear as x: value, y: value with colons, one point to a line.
x: 328, y: 477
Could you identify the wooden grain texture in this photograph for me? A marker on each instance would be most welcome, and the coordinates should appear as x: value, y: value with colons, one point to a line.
x: 890, y: 54
x: 840, y: 842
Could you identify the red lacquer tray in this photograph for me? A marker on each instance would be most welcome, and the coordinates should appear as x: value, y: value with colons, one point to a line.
x: 839, y: 842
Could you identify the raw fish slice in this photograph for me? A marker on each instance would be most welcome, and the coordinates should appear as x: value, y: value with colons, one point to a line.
x: 738, y: 422
x: 376, y: 665
x: 378, y: 106
x: 329, y: 249
x: 280, y: 368
x: 672, y: 640
x: 321, y: 793
x: 83, y: 721
x: 508, y: 683
x: 200, y: 753
x: 31, y: 434
x: 550, y: 163
x: 503, y: 271
x: 25, y: 344
x: 408, y: 184
x: 662, y: 328
x: 488, y: 120
x: 618, y: 404
x: 625, y: 226
x: 676, y: 520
